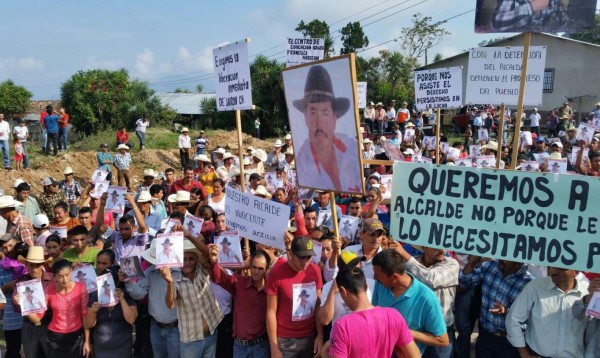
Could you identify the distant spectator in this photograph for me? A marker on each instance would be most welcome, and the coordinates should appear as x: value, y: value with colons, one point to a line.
x: 140, y: 130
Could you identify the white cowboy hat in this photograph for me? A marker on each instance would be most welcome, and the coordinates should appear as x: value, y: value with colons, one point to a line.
x: 250, y: 149
x: 68, y: 170
x: 35, y: 255
x: 150, y: 253
x: 289, y: 151
x: 233, y: 172
x: 379, y: 104
x: 227, y: 155
x: 202, y: 158
x: 17, y: 182
x: 220, y: 151
x: 8, y: 201
x: 144, y: 197
x: 409, y: 151
x: 185, y: 129
x: 288, y: 137
x: 278, y: 143
x: 149, y: 173
x: 246, y: 161
x: 409, y: 125
x: 122, y: 146
x: 181, y: 196
x: 367, y: 141
x: 261, y: 190
x: 260, y: 154
x: 491, y: 145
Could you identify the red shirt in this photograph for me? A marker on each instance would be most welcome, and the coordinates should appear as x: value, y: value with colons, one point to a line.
x: 122, y: 137
x: 178, y: 186
x: 250, y: 309
x: 43, y: 115
x: 67, y: 310
x: 65, y: 121
x: 289, y: 286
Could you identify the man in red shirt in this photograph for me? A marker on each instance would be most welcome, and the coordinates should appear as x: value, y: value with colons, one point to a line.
x: 187, y: 183
x: 63, y: 124
x: 293, y: 300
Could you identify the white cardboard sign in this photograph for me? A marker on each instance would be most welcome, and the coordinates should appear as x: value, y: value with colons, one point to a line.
x: 438, y: 88
x: 301, y: 50
x: 232, y: 74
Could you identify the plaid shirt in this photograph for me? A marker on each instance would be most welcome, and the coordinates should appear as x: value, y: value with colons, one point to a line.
x: 21, y: 228
x: 442, y: 278
x: 517, y: 16
x: 123, y: 161
x: 72, y: 190
x: 47, y: 202
x: 495, y: 288
x: 195, y: 303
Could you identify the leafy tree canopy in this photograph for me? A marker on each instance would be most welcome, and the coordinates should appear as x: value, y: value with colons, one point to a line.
x: 317, y: 29
x: 14, y: 99
x: 353, y: 38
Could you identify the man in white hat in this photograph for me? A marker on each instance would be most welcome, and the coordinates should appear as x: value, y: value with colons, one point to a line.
x: 40, y: 225
x: 17, y: 224
x: 164, y: 330
x: 287, y: 144
x: 29, y: 205
x: 189, y: 290
x: 72, y: 191
x: 223, y: 170
x: 152, y: 219
x: 51, y: 196
x: 149, y: 176
x: 123, y: 162
x: 259, y: 157
x: 289, y: 162
x: 369, y: 116
x: 276, y: 156
x: 185, y: 146
x: 187, y: 183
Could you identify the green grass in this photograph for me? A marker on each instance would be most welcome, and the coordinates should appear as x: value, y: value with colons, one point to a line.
x: 156, y: 138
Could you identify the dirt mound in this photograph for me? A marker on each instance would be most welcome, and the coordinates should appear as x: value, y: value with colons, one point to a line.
x: 84, y: 162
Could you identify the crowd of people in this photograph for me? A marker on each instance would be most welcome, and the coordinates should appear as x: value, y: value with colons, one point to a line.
x: 355, y: 294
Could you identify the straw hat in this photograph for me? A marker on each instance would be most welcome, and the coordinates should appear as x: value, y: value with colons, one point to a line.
x: 185, y: 129
x: 260, y: 154
x: 149, y: 173
x: 227, y: 155
x: 68, y: 170
x: 122, y: 147
x: 289, y: 151
x: 220, y: 151
x: 409, y: 125
x: 202, y: 158
x: 8, y: 201
x: 35, y: 255
x: 144, y: 197
x: 180, y: 197
x: 278, y: 143
x: 288, y: 137
x: 261, y: 190
x: 233, y: 172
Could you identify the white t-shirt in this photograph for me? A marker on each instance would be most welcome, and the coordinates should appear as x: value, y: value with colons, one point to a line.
x: 140, y: 126
x: 340, y: 308
x: 535, y: 119
x: 21, y: 132
x: 4, y: 130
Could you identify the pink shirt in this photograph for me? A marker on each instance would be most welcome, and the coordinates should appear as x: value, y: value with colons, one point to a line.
x: 370, y: 333
x: 67, y: 310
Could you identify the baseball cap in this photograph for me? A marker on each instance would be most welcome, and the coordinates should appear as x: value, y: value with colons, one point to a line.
x: 280, y: 169
x: 409, y: 151
x: 50, y: 181
x: 370, y: 226
x: 40, y: 221
x: 557, y: 144
x: 103, y: 145
x: 303, y: 246
x: 540, y: 139
x: 254, y: 176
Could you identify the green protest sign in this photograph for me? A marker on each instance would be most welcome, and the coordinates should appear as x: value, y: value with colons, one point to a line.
x: 545, y: 219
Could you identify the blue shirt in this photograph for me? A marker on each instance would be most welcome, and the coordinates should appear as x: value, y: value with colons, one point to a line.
x: 12, y: 320
x: 51, y: 123
x: 153, y: 221
x: 418, y: 305
x: 495, y: 288
x: 102, y: 157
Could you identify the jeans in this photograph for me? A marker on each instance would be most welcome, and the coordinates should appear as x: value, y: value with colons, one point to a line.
x: 370, y: 125
x: 257, y: 133
x: 44, y: 138
x: 184, y: 157
x: 442, y: 352
x: 254, y: 351
x: 52, y: 139
x: 4, y: 146
x: 297, y: 347
x: 464, y: 321
x: 380, y: 126
x: 536, y: 130
x: 491, y: 346
x: 25, y: 159
x: 165, y: 341
x: 205, y: 348
x: 62, y: 138
x: 142, y: 137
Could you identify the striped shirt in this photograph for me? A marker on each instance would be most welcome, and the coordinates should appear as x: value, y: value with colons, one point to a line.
x: 12, y: 320
x: 195, y: 303
x: 123, y: 161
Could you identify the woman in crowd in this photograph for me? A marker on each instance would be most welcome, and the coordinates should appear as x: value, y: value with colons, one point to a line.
x: 123, y: 137
x: 68, y: 302
x: 111, y: 327
x: 62, y: 218
x: 205, y: 173
x: 53, y: 250
x: 216, y: 200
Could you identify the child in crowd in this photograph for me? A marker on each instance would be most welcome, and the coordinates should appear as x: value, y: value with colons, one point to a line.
x: 19, y: 154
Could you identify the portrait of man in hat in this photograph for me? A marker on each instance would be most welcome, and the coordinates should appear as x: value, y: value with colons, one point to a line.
x: 322, y: 116
x: 304, y: 306
x: 30, y: 301
x: 226, y: 254
x: 167, y: 255
x: 106, y: 295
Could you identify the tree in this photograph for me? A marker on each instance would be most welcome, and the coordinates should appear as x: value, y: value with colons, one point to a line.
x: 268, y: 96
x: 438, y: 57
x: 317, y: 29
x: 100, y: 99
x: 421, y: 36
x: 491, y: 41
x: 388, y: 76
x: 592, y: 36
x: 182, y: 90
x: 212, y: 118
x: 14, y: 99
x: 353, y: 38
x: 199, y: 88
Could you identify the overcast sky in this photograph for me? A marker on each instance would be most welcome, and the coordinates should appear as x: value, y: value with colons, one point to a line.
x: 169, y: 43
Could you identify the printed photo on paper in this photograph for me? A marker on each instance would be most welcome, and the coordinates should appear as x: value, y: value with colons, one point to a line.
x: 106, y: 290
x: 131, y: 267
x: 169, y: 249
x: 230, y: 249
x: 305, y: 300
x: 85, y: 274
x: 31, y: 297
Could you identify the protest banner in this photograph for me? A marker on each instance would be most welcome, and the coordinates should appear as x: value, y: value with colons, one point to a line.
x: 534, y: 218
x: 438, y: 88
x: 232, y: 73
x: 494, y: 75
x: 255, y: 218
x: 361, y: 91
x: 301, y: 50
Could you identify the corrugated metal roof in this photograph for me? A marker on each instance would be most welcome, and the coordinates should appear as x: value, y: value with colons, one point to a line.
x: 183, y: 103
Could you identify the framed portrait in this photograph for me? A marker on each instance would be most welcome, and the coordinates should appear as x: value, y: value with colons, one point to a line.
x: 494, y: 16
x: 322, y: 108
